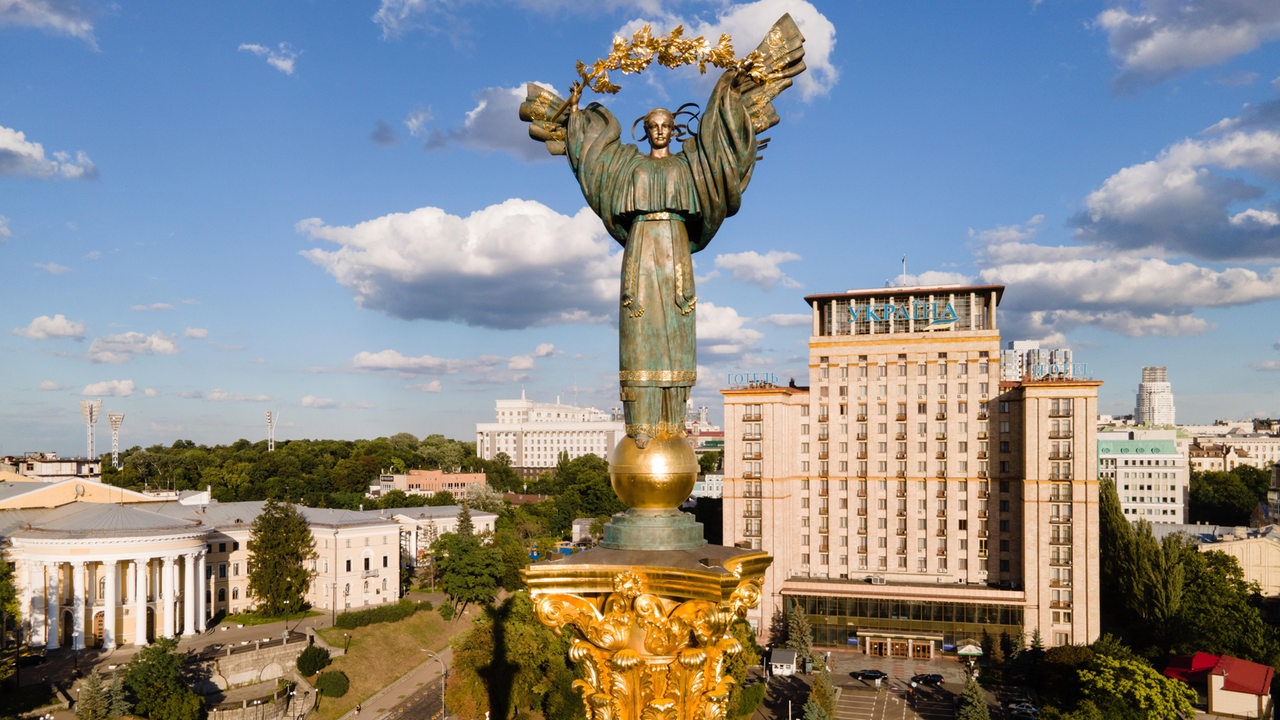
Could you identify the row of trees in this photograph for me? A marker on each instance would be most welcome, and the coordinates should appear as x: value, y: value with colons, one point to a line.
x: 155, y: 685
x: 1228, y: 498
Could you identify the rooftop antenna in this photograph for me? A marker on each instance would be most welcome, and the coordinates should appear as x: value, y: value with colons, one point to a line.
x: 90, y: 409
x: 115, y: 419
x: 904, y: 270
x: 271, y: 432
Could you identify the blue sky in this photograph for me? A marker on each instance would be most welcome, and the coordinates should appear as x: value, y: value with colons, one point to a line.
x: 330, y: 210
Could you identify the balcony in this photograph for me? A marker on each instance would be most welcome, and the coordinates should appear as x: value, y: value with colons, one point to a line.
x: 982, y: 434
x: 983, y: 494
x: 862, y: 456
x: 901, y: 456
x: 752, y: 436
x: 823, y: 473
x: 823, y: 511
x: 1060, y: 435
x: 370, y: 573
x: 942, y: 512
x: 862, y: 531
x: 940, y: 416
x: 942, y: 551
x: 982, y: 415
x: 751, y: 456
x: 862, y: 472
x: 1060, y: 562
x: 862, y: 417
x: 1060, y: 583
x: 1062, y: 476
x: 751, y: 475
x: 902, y: 551
x: 748, y: 493
x: 900, y: 436
x: 1060, y: 413
x: 752, y: 418
x: 1059, y: 605
x: 862, y: 493
x: 861, y: 436
x: 942, y: 473
x: 822, y: 455
x: 823, y: 434
x: 902, y: 473
x: 1060, y: 519
x: 902, y: 532
x: 942, y: 492
x: 1060, y: 539
x: 1060, y: 455
x: 982, y: 514
x: 982, y: 454
x: 823, y: 492
x: 942, y: 531
x: 862, y: 512
x: 901, y: 417
x: 982, y: 474
x: 941, y: 436
x: 902, y: 492
x: 1059, y: 497
x: 941, y: 455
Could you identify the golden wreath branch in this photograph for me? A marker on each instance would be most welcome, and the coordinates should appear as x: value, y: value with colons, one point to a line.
x: 672, y: 50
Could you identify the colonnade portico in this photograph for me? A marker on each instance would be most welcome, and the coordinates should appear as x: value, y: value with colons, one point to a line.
x: 140, y: 578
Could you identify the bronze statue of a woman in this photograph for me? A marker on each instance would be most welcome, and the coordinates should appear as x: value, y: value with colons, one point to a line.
x: 662, y: 207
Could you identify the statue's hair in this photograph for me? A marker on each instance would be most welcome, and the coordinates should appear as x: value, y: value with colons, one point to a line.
x: 683, y: 131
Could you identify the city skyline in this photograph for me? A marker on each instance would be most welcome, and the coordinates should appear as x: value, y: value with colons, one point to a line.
x: 335, y: 215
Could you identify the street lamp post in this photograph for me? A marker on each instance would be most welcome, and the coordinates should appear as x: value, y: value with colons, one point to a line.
x: 444, y: 677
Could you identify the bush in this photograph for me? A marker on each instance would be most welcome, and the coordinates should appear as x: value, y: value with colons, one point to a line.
x: 446, y: 611
x: 333, y: 683
x: 380, y: 614
x: 313, y: 660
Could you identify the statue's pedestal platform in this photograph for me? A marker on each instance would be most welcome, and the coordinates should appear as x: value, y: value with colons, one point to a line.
x: 709, y: 572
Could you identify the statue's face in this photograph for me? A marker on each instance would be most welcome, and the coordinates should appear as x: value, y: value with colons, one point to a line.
x: 660, y: 126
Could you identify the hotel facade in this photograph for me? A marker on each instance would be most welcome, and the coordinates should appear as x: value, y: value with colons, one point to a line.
x: 912, y: 499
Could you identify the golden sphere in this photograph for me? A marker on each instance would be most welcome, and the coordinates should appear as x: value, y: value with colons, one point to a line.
x: 659, y: 476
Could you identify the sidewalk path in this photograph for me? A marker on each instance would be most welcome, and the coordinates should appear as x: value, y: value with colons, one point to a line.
x: 382, y: 702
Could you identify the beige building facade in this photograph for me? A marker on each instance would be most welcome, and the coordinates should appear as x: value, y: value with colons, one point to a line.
x: 909, y: 497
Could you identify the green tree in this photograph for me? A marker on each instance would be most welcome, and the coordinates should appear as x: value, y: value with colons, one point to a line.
x: 799, y: 635
x: 972, y: 705
x: 823, y: 691
x: 281, y: 548
x: 1130, y: 689
x: 743, y: 699
x: 1220, y: 612
x: 93, y: 702
x: 709, y: 462
x: 469, y: 571
x: 156, y: 684
x: 9, y: 605
x: 1221, y: 498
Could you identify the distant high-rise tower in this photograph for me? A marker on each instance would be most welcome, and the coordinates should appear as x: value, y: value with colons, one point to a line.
x: 271, y: 432
x: 116, y: 419
x: 90, y: 410
x: 1155, y: 398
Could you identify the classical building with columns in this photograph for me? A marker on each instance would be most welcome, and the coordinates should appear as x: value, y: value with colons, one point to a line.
x: 99, y: 566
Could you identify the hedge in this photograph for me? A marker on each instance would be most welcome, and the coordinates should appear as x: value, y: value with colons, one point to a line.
x: 380, y: 614
x: 312, y: 660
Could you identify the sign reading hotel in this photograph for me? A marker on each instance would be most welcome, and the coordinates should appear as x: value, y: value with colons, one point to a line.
x: 751, y: 379
x: 896, y: 311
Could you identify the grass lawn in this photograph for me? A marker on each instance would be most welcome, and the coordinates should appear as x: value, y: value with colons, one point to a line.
x: 383, y: 652
x: 248, y: 619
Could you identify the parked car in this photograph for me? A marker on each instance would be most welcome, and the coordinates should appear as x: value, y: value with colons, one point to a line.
x: 1022, y: 710
x: 933, y: 679
x: 870, y: 674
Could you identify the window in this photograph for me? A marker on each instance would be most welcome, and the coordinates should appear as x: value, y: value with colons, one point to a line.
x: 235, y: 593
x: 348, y: 566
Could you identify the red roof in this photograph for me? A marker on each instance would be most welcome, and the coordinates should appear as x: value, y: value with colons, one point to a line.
x: 1243, y: 676
x: 1191, y: 669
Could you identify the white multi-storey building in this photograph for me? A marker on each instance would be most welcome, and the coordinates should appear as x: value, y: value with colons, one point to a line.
x: 1155, y: 398
x: 910, y: 499
x: 1026, y: 360
x: 1151, y: 475
x: 533, y: 435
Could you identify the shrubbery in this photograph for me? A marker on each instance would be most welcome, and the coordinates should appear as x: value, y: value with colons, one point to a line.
x: 380, y: 614
x: 446, y: 611
x: 333, y: 683
x: 312, y: 660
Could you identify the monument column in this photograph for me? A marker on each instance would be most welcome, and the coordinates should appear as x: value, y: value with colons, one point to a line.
x: 189, y: 594
x: 77, y: 605
x: 110, y: 603
x: 54, y: 606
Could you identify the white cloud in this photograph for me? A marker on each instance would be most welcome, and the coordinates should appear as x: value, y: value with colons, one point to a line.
x: 150, y: 392
x: 544, y: 350
x: 760, y: 270
x: 747, y: 23
x: 5, y: 232
x: 416, y: 122
x: 1153, y: 40
x: 124, y: 347
x: 1266, y: 365
x: 319, y: 403
x: 220, y: 395
x: 51, y: 385
x: 394, y: 361
x: 513, y: 265
x: 722, y: 331
x: 152, y: 307
x: 1210, y: 198
x: 20, y: 157
x: 56, y: 16
x: 109, y: 388
x: 520, y: 362
x: 786, y: 319
x: 46, y: 328
x: 433, y: 386
x: 492, y: 124
x: 282, y: 57
x: 195, y: 333
x: 52, y: 268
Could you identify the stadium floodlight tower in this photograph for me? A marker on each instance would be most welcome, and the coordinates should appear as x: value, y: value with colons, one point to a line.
x: 271, y: 432
x: 116, y: 419
x: 91, y: 409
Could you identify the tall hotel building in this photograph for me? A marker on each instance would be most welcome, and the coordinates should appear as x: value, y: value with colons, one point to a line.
x: 910, y: 498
